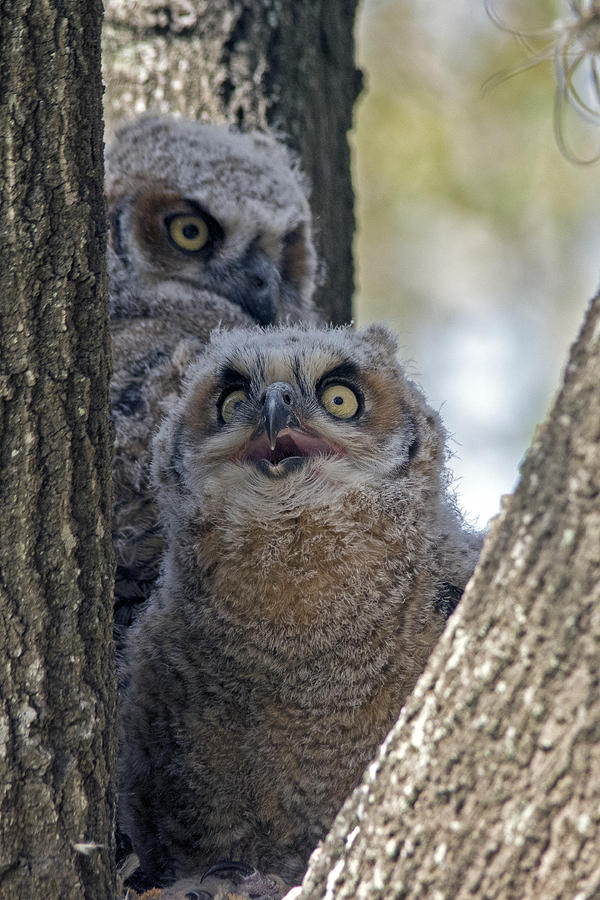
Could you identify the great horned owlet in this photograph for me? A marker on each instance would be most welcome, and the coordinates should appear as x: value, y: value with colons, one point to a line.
x: 313, y: 554
x: 209, y: 227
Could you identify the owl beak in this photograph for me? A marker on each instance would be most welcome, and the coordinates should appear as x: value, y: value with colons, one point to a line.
x: 258, y: 291
x: 278, y: 412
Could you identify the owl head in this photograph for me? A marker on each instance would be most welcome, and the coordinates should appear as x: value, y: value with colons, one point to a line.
x: 199, y: 209
x: 290, y: 417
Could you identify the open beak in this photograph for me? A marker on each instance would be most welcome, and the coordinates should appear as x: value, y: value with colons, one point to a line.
x: 283, y: 444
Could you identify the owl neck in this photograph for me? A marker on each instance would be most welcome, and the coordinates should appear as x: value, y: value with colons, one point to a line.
x: 340, y: 569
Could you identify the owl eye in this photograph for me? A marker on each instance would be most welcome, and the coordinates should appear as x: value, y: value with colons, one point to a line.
x: 231, y: 403
x: 189, y: 233
x: 340, y: 401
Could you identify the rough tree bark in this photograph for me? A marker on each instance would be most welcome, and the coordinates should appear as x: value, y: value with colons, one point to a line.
x: 57, y: 694
x: 489, y: 785
x: 256, y: 63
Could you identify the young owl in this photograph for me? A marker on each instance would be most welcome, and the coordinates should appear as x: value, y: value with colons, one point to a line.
x: 208, y: 227
x: 313, y: 554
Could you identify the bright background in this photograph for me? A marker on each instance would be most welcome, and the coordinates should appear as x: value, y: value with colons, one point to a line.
x: 476, y: 238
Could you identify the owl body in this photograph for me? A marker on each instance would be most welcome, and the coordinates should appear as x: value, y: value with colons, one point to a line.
x: 311, y: 548
x: 209, y: 228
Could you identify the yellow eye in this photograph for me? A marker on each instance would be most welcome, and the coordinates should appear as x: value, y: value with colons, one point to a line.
x: 231, y: 403
x: 188, y: 232
x: 340, y: 401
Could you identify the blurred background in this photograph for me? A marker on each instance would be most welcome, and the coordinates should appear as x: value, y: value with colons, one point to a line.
x: 476, y: 238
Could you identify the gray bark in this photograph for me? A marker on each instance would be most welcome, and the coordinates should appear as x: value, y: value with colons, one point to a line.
x: 261, y: 64
x: 489, y: 785
x: 57, y: 694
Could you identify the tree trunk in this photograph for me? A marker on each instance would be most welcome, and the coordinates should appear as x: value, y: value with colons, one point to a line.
x: 57, y: 694
x: 287, y: 66
x: 489, y: 785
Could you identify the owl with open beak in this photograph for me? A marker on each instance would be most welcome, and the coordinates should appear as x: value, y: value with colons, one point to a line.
x: 314, y: 552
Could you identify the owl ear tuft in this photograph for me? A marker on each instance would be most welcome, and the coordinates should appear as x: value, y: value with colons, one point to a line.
x: 383, y: 342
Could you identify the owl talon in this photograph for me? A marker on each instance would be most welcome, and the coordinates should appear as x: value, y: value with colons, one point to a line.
x: 237, y: 887
x: 226, y: 867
